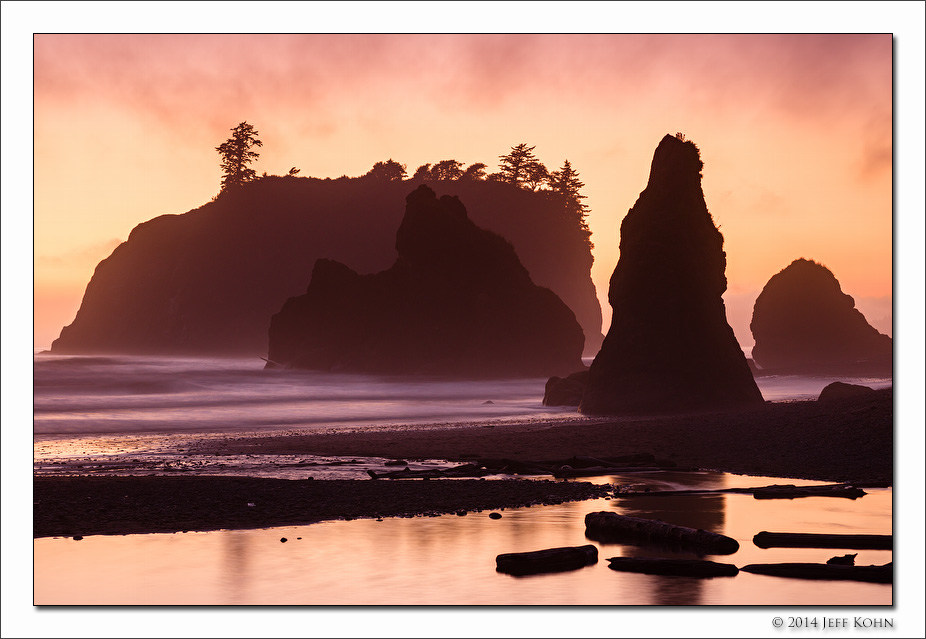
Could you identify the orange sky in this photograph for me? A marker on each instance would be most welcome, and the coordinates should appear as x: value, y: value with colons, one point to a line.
x: 795, y: 132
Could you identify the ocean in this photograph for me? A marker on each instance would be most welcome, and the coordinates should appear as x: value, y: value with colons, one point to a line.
x: 98, y: 414
x: 134, y: 415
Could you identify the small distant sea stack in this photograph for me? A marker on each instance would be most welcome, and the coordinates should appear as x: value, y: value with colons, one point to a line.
x: 669, y: 347
x: 804, y: 324
x: 456, y: 302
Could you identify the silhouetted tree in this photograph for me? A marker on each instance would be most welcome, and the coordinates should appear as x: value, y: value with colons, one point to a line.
x: 388, y: 170
x: 535, y: 175
x: 476, y: 171
x: 514, y: 167
x: 237, y: 155
x: 447, y: 170
x: 566, y: 183
x: 423, y: 172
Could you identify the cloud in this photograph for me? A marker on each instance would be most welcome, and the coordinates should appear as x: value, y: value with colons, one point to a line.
x: 78, y: 258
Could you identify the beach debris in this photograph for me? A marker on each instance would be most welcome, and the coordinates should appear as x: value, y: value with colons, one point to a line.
x: 790, y: 491
x: 577, y: 466
x: 283, y: 540
x: 767, y: 539
x: 251, y: 504
x: 775, y: 491
x: 464, y: 470
x: 548, y: 560
x: 672, y: 567
x: 77, y: 537
x: 611, y: 527
x: 843, y: 560
x: 495, y: 515
x: 875, y: 574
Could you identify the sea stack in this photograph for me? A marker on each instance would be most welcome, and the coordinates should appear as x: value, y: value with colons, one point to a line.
x: 457, y: 302
x: 669, y: 348
x: 804, y: 324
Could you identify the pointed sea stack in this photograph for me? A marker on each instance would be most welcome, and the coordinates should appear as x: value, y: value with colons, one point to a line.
x: 456, y: 302
x: 669, y: 347
x: 804, y: 324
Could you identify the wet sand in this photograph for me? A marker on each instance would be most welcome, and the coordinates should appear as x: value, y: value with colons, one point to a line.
x: 846, y: 441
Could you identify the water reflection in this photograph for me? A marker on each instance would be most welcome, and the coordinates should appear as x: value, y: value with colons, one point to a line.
x: 236, y: 565
x: 450, y: 560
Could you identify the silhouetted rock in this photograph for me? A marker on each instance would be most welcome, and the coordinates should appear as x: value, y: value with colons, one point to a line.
x: 565, y: 391
x: 803, y: 323
x: 457, y: 302
x: 669, y: 347
x: 207, y: 281
x: 841, y: 390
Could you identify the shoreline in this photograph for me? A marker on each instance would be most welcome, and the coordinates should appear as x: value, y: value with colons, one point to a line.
x: 850, y: 440
x: 846, y: 441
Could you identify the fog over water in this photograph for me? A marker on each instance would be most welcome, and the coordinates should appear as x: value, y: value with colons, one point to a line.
x: 122, y: 394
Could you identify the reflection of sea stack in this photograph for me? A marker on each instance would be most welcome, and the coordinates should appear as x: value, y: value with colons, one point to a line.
x: 457, y: 301
x: 803, y: 323
x: 669, y: 347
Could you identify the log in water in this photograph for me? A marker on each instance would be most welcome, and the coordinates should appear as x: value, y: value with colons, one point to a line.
x: 672, y: 567
x: 874, y: 574
x: 767, y: 539
x: 548, y: 560
x: 608, y: 526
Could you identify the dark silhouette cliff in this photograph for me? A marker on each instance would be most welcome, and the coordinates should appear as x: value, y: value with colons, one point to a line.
x: 669, y: 347
x: 206, y: 282
x: 457, y: 301
x: 803, y: 323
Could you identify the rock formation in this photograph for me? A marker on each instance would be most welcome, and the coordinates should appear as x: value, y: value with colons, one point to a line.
x: 803, y: 323
x: 206, y: 282
x: 457, y: 301
x: 669, y: 347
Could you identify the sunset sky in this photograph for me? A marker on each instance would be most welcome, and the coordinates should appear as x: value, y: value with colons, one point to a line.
x: 795, y: 132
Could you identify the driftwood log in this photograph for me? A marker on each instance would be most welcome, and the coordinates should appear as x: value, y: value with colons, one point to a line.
x: 466, y: 470
x: 767, y: 539
x: 875, y: 574
x: 674, y: 567
x: 549, y: 560
x: 607, y: 526
x: 775, y: 491
x: 563, y: 473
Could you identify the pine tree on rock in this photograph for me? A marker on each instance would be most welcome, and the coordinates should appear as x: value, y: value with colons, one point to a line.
x: 237, y: 154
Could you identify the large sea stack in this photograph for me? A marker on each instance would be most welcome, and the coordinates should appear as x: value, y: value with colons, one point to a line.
x: 207, y: 281
x: 669, y: 347
x: 457, y: 301
x: 804, y: 324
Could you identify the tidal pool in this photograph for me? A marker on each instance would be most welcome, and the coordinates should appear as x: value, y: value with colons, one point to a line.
x: 450, y: 560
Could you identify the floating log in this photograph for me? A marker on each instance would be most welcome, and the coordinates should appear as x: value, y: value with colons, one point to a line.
x: 790, y: 491
x: 875, y: 574
x: 767, y: 539
x: 466, y: 470
x: 608, y: 526
x: 563, y: 473
x: 674, y: 567
x: 776, y: 491
x: 549, y: 560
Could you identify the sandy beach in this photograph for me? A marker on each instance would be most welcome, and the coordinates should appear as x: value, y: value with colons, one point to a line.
x: 849, y: 440
x: 846, y: 441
